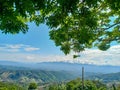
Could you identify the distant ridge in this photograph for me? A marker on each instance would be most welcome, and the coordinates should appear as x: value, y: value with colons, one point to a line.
x: 58, y: 66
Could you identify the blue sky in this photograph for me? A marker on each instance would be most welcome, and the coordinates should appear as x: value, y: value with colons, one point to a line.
x: 37, y: 37
x: 35, y: 46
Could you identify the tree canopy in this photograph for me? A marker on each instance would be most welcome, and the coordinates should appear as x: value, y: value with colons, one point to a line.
x: 77, y: 85
x: 74, y: 24
x: 32, y: 86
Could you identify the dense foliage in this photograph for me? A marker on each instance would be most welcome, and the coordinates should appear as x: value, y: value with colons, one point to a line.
x: 9, y: 86
x: 88, y: 85
x: 71, y: 85
x: 77, y: 85
x: 74, y: 24
x: 32, y: 86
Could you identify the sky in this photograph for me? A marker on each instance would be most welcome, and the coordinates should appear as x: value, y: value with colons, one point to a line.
x: 35, y: 46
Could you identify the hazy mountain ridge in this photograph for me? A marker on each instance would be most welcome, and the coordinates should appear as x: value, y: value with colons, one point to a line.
x: 111, y: 77
x: 58, y: 66
x: 53, y: 72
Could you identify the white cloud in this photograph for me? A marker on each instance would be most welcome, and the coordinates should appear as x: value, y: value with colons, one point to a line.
x: 8, y: 49
x: 89, y: 56
x: 17, y: 48
x: 31, y: 49
x: 30, y: 57
x: 109, y: 57
x: 115, y: 49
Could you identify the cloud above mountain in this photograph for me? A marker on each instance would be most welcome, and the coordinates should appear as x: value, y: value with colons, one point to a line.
x: 95, y: 56
x: 22, y: 53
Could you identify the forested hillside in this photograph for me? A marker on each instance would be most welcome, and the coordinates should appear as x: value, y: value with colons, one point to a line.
x: 40, y: 76
x: 111, y: 77
x: 22, y: 74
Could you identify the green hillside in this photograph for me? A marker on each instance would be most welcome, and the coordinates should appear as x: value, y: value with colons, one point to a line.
x: 9, y: 86
x: 40, y: 76
x: 12, y: 77
x: 111, y: 77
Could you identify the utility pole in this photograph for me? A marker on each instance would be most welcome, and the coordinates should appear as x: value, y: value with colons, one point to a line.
x: 82, y: 78
x: 114, y: 88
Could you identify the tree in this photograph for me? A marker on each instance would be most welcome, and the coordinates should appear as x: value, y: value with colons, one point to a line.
x: 32, y: 86
x: 77, y: 85
x: 57, y: 87
x: 75, y: 24
x: 99, y: 85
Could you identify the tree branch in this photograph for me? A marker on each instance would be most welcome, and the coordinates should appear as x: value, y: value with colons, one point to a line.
x: 111, y: 26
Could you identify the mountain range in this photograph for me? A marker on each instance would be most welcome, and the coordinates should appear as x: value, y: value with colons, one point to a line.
x: 46, y: 72
x: 59, y: 66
